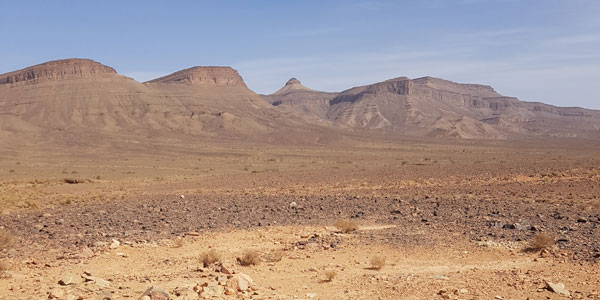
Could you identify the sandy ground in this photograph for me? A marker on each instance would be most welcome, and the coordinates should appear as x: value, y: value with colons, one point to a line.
x: 451, y: 221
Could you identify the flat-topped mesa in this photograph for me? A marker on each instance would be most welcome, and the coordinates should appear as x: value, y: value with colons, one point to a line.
x: 58, y: 70
x: 292, y: 85
x: 460, y: 88
x: 220, y: 76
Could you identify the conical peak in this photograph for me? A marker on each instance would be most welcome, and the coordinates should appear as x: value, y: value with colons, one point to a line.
x: 57, y: 70
x: 292, y: 85
x: 293, y: 81
x: 221, y: 76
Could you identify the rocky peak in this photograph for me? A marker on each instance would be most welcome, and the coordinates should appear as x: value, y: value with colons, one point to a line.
x: 57, y: 70
x: 290, y: 86
x: 293, y: 81
x: 220, y: 76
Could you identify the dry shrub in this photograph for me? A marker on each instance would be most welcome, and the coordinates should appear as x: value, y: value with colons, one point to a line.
x: 540, y: 242
x: 249, y: 258
x: 210, y: 257
x: 275, y: 255
x: 378, y: 262
x: 346, y: 226
x: 7, y: 240
x: 4, y: 266
x: 177, y: 243
x: 330, y: 275
x: 72, y: 180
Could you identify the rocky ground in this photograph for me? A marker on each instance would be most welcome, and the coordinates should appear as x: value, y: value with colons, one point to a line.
x: 451, y: 222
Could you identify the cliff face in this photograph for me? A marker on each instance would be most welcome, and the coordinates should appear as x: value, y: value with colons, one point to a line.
x: 58, y: 70
x: 219, y: 76
x: 431, y: 106
x: 80, y: 97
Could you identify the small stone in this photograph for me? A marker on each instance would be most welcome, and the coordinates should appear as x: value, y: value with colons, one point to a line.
x: 56, y: 293
x: 240, y: 282
x: 100, y: 244
x: 212, y: 291
x: 96, y: 280
x: 293, y: 204
x: 155, y: 293
x: 558, y: 288
x: 229, y: 291
x: 193, y: 233
x: 115, y: 244
x: 86, y: 253
x: 182, y: 196
x: 70, y: 279
x: 225, y: 270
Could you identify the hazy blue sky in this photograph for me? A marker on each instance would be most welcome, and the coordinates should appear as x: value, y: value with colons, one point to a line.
x: 538, y: 50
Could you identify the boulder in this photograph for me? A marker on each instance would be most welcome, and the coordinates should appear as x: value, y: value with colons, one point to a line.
x: 240, y: 282
x: 558, y: 288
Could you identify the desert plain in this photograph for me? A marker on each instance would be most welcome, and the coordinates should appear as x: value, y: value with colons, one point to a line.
x: 371, y: 219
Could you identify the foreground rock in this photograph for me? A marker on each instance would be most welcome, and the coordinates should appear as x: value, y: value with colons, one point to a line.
x: 154, y: 293
x: 558, y: 288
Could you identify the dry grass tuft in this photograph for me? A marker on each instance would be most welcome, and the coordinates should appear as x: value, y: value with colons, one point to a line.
x: 210, y: 257
x: 249, y: 258
x: 4, y: 266
x: 275, y: 255
x: 330, y: 275
x: 72, y: 180
x: 7, y: 240
x: 378, y: 262
x: 346, y: 226
x: 177, y: 243
x: 540, y: 241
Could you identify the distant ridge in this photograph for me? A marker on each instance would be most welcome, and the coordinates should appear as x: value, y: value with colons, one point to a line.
x: 76, y: 101
x: 433, y: 107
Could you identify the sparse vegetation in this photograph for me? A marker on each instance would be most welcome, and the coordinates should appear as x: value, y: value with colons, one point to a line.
x: 330, y: 275
x: 7, y: 240
x: 210, y: 257
x: 275, y: 255
x: 177, y: 243
x: 540, y: 241
x: 72, y: 180
x: 346, y: 226
x: 596, y: 205
x: 378, y: 262
x: 249, y: 258
x: 4, y: 266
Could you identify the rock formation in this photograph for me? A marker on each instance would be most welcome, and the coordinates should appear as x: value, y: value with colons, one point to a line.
x: 221, y: 76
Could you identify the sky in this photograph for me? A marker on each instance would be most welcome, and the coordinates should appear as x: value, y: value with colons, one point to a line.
x: 536, y: 50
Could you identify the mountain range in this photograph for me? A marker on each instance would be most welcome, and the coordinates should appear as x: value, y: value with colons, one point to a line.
x: 73, y: 100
